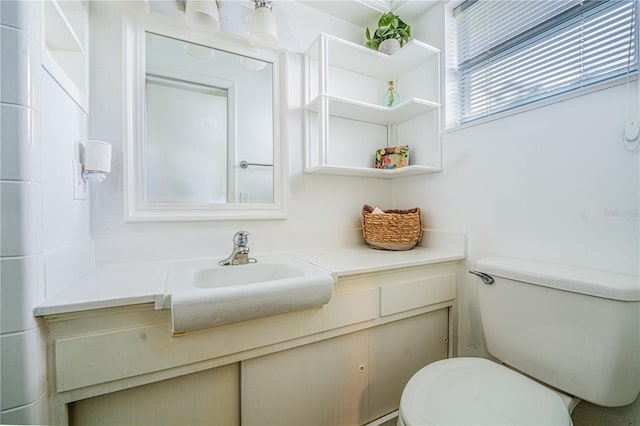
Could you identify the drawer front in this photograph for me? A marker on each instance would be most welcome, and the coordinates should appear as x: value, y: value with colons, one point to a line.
x: 402, y: 297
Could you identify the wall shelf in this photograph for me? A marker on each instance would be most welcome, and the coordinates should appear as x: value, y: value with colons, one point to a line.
x: 365, y: 61
x: 60, y: 34
x: 65, y: 46
x: 372, y: 172
x: 370, y: 113
x: 345, y: 122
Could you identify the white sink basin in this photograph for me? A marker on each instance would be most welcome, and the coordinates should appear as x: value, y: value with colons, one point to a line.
x: 202, y: 294
x: 245, y: 274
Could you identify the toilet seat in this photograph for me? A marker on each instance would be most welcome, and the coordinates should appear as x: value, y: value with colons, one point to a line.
x: 476, y: 391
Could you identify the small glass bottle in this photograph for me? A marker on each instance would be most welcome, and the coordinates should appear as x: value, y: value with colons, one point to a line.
x: 391, y: 97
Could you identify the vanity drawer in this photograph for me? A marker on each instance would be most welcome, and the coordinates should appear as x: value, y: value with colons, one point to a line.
x: 405, y: 296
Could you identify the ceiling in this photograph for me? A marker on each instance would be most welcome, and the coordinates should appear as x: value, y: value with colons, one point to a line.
x: 365, y: 12
x: 357, y: 12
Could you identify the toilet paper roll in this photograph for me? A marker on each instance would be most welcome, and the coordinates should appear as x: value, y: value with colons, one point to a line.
x: 97, y: 156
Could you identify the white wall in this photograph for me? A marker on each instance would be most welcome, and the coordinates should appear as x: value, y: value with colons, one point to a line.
x: 63, y: 129
x: 319, y: 205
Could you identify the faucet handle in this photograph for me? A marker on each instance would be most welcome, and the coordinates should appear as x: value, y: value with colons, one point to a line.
x: 240, y: 239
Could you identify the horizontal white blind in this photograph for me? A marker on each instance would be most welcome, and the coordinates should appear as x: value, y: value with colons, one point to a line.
x: 512, y: 53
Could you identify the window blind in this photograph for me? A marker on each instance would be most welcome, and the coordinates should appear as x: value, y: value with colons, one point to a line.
x: 512, y: 53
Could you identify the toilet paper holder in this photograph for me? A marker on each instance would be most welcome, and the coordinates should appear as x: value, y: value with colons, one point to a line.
x: 97, y: 161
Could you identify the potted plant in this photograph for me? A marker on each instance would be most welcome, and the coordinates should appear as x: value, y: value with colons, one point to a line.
x: 392, y: 33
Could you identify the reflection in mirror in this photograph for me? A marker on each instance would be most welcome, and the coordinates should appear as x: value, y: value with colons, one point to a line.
x: 206, y: 112
x: 186, y: 142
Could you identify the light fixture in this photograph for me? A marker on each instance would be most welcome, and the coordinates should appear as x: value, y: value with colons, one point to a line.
x: 197, y: 51
x: 203, y: 15
x: 97, y: 161
x: 264, y: 32
x: 252, y: 64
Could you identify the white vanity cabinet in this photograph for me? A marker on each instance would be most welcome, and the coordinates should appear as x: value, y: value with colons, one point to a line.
x: 208, y: 397
x: 347, y: 380
x: 345, y: 363
x: 346, y: 121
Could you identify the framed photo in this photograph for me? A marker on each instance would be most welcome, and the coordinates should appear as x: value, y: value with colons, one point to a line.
x: 393, y: 157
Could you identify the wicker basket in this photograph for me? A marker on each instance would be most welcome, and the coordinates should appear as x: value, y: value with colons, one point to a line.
x: 393, y: 230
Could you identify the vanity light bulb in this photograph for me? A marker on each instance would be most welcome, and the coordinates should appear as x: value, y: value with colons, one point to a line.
x: 203, y: 15
x: 252, y: 64
x: 197, y: 51
x: 264, y: 32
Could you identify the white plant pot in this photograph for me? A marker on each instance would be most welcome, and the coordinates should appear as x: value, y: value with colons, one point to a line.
x: 389, y: 46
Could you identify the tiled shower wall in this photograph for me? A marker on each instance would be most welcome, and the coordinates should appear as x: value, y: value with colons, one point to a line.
x: 23, y: 395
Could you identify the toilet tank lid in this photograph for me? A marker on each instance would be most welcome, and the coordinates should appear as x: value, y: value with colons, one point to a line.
x: 593, y: 282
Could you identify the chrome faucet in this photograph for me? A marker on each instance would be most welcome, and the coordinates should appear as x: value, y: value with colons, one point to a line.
x: 240, y: 253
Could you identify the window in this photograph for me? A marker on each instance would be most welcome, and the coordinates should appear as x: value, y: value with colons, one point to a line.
x: 513, y: 53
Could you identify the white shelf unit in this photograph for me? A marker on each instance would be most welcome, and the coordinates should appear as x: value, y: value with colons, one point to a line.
x: 65, y: 46
x: 344, y: 116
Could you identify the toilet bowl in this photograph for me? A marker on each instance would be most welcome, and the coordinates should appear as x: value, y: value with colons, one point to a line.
x: 476, y: 391
x: 562, y: 328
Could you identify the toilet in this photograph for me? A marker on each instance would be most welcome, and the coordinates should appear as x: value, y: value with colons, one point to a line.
x: 560, y: 334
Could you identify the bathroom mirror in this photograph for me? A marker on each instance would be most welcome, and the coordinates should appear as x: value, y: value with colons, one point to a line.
x: 204, y: 126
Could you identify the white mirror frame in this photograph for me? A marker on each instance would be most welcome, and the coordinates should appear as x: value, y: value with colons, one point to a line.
x: 136, y: 209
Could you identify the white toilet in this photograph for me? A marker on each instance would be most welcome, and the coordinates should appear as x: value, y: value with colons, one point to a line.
x: 574, y: 329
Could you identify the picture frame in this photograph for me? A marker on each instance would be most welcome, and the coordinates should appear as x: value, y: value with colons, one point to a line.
x: 393, y: 157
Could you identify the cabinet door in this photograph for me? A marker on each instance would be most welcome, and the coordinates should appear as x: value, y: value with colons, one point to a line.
x: 209, y: 397
x: 324, y: 383
x: 398, y: 350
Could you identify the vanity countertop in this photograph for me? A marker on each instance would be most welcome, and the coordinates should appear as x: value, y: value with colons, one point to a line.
x: 115, y: 285
x: 362, y: 259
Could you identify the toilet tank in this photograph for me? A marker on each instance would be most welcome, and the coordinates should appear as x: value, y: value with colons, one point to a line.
x: 576, y: 329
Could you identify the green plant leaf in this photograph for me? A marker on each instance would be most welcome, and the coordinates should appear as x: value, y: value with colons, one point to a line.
x: 390, y: 25
x: 386, y: 19
x: 383, y: 32
x: 372, y: 44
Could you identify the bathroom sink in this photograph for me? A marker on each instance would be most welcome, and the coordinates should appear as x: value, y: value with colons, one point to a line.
x: 202, y: 294
x: 245, y: 274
